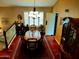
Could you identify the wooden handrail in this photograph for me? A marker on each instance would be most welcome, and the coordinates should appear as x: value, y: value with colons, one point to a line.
x: 10, y: 27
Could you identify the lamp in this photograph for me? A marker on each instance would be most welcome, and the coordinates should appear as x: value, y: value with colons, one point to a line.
x: 34, y: 9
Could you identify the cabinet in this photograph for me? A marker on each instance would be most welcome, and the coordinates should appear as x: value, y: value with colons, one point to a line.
x: 70, y: 37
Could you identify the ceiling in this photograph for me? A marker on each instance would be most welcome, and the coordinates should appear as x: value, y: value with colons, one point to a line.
x: 27, y: 3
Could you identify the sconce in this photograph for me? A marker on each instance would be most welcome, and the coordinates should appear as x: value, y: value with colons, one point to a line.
x: 66, y: 12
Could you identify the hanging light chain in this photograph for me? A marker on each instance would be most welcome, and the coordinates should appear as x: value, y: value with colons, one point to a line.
x: 34, y: 7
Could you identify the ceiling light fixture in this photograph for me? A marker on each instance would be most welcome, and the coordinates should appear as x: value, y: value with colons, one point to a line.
x: 34, y: 9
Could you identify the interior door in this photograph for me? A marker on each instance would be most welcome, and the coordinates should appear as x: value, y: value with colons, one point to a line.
x: 50, y: 27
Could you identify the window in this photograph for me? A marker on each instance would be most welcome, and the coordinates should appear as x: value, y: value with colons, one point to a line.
x: 35, y: 18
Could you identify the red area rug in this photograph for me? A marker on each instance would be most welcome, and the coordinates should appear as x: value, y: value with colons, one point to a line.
x: 53, y: 46
x: 41, y: 53
x: 8, y: 53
